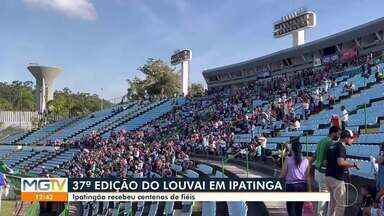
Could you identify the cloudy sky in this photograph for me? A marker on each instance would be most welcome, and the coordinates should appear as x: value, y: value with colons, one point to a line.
x: 100, y: 43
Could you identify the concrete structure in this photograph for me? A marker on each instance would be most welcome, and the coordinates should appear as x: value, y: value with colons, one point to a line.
x: 45, y: 76
x: 183, y: 57
x: 185, y: 77
x: 359, y: 40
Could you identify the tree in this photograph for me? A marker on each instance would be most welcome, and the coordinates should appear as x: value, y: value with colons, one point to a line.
x: 160, y: 81
x: 5, y: 105
x: 20, y: 96
x: 17, y: 95
x: 196, y: 89
x: 69, y: 104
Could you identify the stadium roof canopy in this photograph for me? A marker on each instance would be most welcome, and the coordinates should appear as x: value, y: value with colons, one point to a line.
x: 314, y: 46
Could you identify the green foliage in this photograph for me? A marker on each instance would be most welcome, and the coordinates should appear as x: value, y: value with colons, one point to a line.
x: 17, y: 96
x: 5, y: 105
x: 33, y: 210
x: 196, y: 89
x: 20, y: 96
x: 160, y: 81
x: 69, y: 104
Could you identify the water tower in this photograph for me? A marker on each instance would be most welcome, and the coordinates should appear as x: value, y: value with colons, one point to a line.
x: 45, y: 76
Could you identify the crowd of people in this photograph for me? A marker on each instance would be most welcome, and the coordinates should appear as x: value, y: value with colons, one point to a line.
x: 208, y: 125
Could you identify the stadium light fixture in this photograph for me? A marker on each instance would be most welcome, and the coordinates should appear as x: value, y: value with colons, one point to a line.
x: 295, y: 24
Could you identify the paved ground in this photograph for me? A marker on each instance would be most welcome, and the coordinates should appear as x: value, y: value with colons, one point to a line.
x: 236, y: 169
x: 274, y: 208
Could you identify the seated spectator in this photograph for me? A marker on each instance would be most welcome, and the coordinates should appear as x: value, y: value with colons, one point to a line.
x: 335, y: 121
x: 367, y: 200
x: 296, y: 125
x: 379, y: 75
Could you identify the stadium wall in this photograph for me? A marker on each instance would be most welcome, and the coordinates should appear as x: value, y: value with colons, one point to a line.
x: 18, y: 119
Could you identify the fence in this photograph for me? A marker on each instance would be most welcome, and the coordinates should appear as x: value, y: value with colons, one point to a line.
x: 18, y: 119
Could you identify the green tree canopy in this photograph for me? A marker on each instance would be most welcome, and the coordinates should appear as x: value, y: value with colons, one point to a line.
x: 17, y: 96
x: 69, y: 104
x: 196, y: 89
x: 160, y: 81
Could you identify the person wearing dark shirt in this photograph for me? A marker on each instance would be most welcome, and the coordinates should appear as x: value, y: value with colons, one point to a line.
x: 319, y: 160
x: 336, y: 173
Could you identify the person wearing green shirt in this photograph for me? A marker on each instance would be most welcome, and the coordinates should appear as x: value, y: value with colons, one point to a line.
x: 5, y: 169
x: 319, y: 160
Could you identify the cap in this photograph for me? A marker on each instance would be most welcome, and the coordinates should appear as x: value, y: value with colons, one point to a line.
x: 347, y: 134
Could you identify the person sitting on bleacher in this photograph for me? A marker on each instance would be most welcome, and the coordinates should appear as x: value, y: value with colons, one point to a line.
x: 335, y: 121
x: 295, y: 126
x: 379, y: 75
x: 331, y: 101
x: 349, y: 87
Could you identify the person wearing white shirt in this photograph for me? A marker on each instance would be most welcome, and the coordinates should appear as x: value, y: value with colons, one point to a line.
x: 262, y: 140
x: 327, y: 84
x: 344, y: 117
x: 296, y: 125
x: 306, y: 108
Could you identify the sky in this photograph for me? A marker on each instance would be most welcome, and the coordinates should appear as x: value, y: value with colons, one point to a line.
x: 101, y: 43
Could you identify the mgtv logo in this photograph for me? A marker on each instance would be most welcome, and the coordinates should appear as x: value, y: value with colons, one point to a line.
x: 44, y: 185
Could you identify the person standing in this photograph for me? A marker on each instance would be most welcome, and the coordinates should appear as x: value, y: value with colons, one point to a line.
x: 4, y: 186
x: 319, y: 162
x: 337, y: 173
x: 344, y: 117
x: 262, y: 141
x: 380, y: 172
x: 306, y: 108
x: 295, y: 173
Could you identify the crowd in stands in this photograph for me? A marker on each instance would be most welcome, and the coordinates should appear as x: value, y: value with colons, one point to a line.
x: 127, y: 154
x: 208, y: 125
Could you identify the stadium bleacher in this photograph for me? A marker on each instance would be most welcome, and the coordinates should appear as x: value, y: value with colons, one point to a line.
x: 13, y: 138
x: 42, y: 133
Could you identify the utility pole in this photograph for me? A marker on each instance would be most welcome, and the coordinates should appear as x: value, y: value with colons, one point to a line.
x: 102, y: 100
x: 21, y: 106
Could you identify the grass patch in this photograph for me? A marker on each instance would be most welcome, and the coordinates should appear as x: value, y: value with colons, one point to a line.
x: 7, y: 207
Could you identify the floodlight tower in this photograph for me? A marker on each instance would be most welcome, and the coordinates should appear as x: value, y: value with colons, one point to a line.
x: 183, y: 57
x: 45, y: 76
x: 295, y: 24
